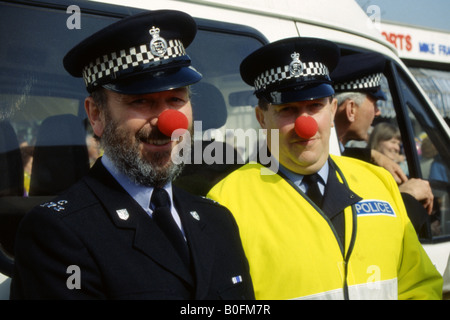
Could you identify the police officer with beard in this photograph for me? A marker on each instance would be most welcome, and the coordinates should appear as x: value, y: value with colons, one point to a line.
x: 123, y: 231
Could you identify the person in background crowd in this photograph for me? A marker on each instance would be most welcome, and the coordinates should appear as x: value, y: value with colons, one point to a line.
x: 357, y: 82
x: 321, y: 226
x: 439, y: 170
x: 428, y: 152
x: 386, y: 138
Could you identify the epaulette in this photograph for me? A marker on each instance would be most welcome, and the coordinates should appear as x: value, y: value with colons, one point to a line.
x: 56, y: 205
x: 211, y: 201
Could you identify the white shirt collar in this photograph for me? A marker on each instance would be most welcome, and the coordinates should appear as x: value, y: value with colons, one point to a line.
x: 141, y: 194
x: 298, y: 178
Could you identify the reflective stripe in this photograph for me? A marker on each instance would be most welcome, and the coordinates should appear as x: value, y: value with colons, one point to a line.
x: 379, y: 290
x: 337, y: 294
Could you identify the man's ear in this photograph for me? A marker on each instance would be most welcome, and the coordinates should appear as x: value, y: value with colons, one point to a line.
x: 260, y: 117
x: 350, y: 110
x: 334, y: 108
x: 95, y: 115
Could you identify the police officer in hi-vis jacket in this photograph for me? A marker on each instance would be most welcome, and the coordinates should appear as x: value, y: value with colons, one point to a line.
x: 321, y: 226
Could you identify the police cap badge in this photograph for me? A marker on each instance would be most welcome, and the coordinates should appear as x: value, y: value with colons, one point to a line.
x: 293, y: 69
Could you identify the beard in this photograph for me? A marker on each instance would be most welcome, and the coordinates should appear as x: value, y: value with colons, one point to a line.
x: 154, y: 171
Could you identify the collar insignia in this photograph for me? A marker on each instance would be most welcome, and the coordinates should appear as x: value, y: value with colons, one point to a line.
x: 123, y: 214
x: 195, y: 215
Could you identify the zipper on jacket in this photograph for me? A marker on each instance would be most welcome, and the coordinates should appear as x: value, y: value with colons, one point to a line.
x: 352, y: 240
x: 345, y: 257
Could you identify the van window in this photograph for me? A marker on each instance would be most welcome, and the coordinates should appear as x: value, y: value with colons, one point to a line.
x: 46, y: 144
x: 430, y: 158
x: 423, y: 146
x: 43, y: 133
x: 436, y: 84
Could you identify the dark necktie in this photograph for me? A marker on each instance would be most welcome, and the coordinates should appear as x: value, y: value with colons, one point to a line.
x: 160, y: 202
x: 313, y: 191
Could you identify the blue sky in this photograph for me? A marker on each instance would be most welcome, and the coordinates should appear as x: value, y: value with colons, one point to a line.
x: 428, y: 13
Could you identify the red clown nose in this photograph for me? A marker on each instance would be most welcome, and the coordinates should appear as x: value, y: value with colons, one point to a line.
x: 170, y: 120
x: 306, y: 127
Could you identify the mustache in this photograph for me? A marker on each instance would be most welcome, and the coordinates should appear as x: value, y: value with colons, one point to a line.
x: 154, y: 134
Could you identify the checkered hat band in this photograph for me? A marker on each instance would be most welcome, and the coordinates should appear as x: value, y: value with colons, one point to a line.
x: 310, y: 71
x: 370, y: 82
x: 109, y: 64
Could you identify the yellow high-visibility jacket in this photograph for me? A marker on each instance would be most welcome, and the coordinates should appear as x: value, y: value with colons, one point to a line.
x: 293, y: 249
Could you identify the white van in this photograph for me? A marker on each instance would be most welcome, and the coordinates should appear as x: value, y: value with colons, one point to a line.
x: 42, y: 114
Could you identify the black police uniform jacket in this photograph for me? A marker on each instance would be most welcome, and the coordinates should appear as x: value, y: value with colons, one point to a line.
x: 77, y: 247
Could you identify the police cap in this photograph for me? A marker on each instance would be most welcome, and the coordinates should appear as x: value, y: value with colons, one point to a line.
x: 361, y: 72
x: 293, y: 69
x: 139, y: 54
